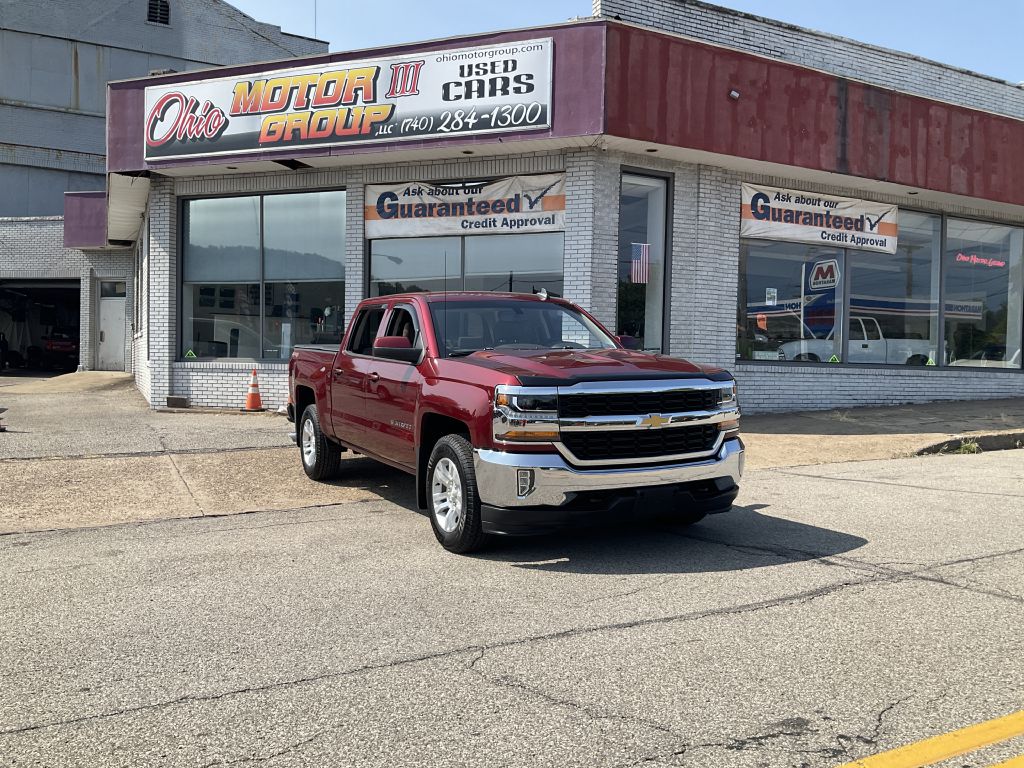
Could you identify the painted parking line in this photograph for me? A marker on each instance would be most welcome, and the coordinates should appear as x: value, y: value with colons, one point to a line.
x: 1013, y: 762
x: 947, y: 745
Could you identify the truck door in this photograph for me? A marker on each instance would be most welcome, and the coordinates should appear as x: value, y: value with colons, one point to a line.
x: 348, y: 379
x: 392, y: 391
x: 866, y: 343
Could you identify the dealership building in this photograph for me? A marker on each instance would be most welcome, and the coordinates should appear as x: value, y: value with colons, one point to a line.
x: 838, y: 224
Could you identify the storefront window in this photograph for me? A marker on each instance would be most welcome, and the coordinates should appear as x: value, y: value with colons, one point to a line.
x: 415, y: 264
x: 304, y: 263
x: 791, y: 302
x: 984, y: 271
x: 894, y: 299
x: 261, y: 274
x: 641, y: 262
x: 517, y: 263
x: 523, y: 263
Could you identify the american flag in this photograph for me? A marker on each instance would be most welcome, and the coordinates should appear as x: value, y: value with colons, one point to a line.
x: 640, y: 266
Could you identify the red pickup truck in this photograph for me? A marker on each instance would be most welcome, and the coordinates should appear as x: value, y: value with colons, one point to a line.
x: 516, y: 414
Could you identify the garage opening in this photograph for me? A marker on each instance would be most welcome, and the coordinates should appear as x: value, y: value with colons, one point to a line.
x: 40, y: 320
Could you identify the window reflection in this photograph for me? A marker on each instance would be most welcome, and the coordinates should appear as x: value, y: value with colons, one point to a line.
x: 295, y: 242
x: 641, y: 262
x: 523, y: 263
x: 895, y: 297
x: 415, y: 264
x: 517, y: 263
x: 791, y: 302
x: 984, y: 271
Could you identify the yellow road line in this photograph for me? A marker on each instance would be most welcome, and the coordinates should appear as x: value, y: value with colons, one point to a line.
x: 1013, y: 762
x: 947, y: 745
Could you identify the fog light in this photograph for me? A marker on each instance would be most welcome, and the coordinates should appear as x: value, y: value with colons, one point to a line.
x: 525, y: 482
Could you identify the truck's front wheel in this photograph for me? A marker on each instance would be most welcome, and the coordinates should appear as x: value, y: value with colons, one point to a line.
x: 452, y: 496
x: 320, y: 457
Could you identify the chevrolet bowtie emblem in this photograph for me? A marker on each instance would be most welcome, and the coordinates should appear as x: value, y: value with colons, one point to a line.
x: 653, y: 421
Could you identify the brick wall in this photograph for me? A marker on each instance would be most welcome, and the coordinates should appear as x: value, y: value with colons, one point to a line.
x: 829, y: 53
x: 773, y: 388
x: 591, y: 232
x: 33, y: 249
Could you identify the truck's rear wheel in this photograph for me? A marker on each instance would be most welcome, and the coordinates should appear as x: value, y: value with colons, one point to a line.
x: 320, y: 457
x: 452, y: 496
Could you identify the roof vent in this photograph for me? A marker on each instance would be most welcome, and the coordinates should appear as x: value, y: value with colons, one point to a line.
x: 159, y: 12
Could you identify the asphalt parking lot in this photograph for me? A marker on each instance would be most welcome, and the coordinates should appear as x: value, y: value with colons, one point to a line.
x: 839, y: 611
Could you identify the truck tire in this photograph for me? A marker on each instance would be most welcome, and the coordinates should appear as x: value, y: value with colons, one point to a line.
x: 320, y: 457
x: 452, y: 498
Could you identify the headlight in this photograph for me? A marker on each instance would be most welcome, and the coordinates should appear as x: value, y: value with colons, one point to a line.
x: 524, y: 414
x: 727, y: 395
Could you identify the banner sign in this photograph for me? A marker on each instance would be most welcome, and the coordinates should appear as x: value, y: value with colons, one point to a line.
x: 488, y: 89
x: 808, y: 217
x: 514, y: 204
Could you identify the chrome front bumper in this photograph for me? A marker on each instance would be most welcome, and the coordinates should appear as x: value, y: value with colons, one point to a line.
x: 547, y: 480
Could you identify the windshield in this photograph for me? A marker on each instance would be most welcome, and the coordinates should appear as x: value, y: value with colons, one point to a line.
x: 464, y: 327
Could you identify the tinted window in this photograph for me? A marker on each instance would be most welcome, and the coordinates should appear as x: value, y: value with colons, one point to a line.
x: 304, y: 236
x: 403, y: 323
x: 984, y: 269
x: 464, y: 327
x: 367, y: 325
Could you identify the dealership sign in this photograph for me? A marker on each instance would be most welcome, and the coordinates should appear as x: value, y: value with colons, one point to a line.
x: 514, y: 204
x: 808, y: 217
x: 487, y: 89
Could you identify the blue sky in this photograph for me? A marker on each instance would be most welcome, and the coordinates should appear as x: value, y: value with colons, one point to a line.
x: 986, y: 35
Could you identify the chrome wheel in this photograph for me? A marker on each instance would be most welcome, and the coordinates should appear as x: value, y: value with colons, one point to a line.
x: 446, y: 489
x: 308, y: 443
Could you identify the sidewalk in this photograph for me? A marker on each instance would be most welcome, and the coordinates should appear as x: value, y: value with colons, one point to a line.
x: 85, y: 450
x: 860, y: 434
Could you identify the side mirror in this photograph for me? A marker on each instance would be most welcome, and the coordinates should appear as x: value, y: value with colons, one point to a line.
x: 396, y: 348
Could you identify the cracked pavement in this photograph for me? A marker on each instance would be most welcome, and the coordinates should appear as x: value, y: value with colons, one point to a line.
x: 839, y: 611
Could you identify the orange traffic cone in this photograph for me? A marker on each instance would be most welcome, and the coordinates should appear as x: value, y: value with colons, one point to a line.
x: 253, y: 401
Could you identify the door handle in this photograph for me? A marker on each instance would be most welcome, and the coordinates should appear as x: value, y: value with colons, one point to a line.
x: 338, y: 371
x: 374, y: 377
x: 864, y: 346
x: 101, y: 337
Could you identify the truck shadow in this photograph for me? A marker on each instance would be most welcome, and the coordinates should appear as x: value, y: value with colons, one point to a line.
x: 738, y: 540
x: 741, y: 539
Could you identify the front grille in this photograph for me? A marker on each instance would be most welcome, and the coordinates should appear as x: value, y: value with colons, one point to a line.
x: 613, y: 445
x: 637, y: 403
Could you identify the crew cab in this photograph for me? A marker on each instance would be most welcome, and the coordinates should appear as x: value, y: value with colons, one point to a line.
x: 516, y: 414
x: 868, y: 344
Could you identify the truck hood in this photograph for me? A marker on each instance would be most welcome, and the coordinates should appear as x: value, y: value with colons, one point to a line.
x: 552, y: 368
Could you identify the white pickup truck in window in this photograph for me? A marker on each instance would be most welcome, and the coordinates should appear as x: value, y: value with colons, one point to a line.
x: 867, y: 345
